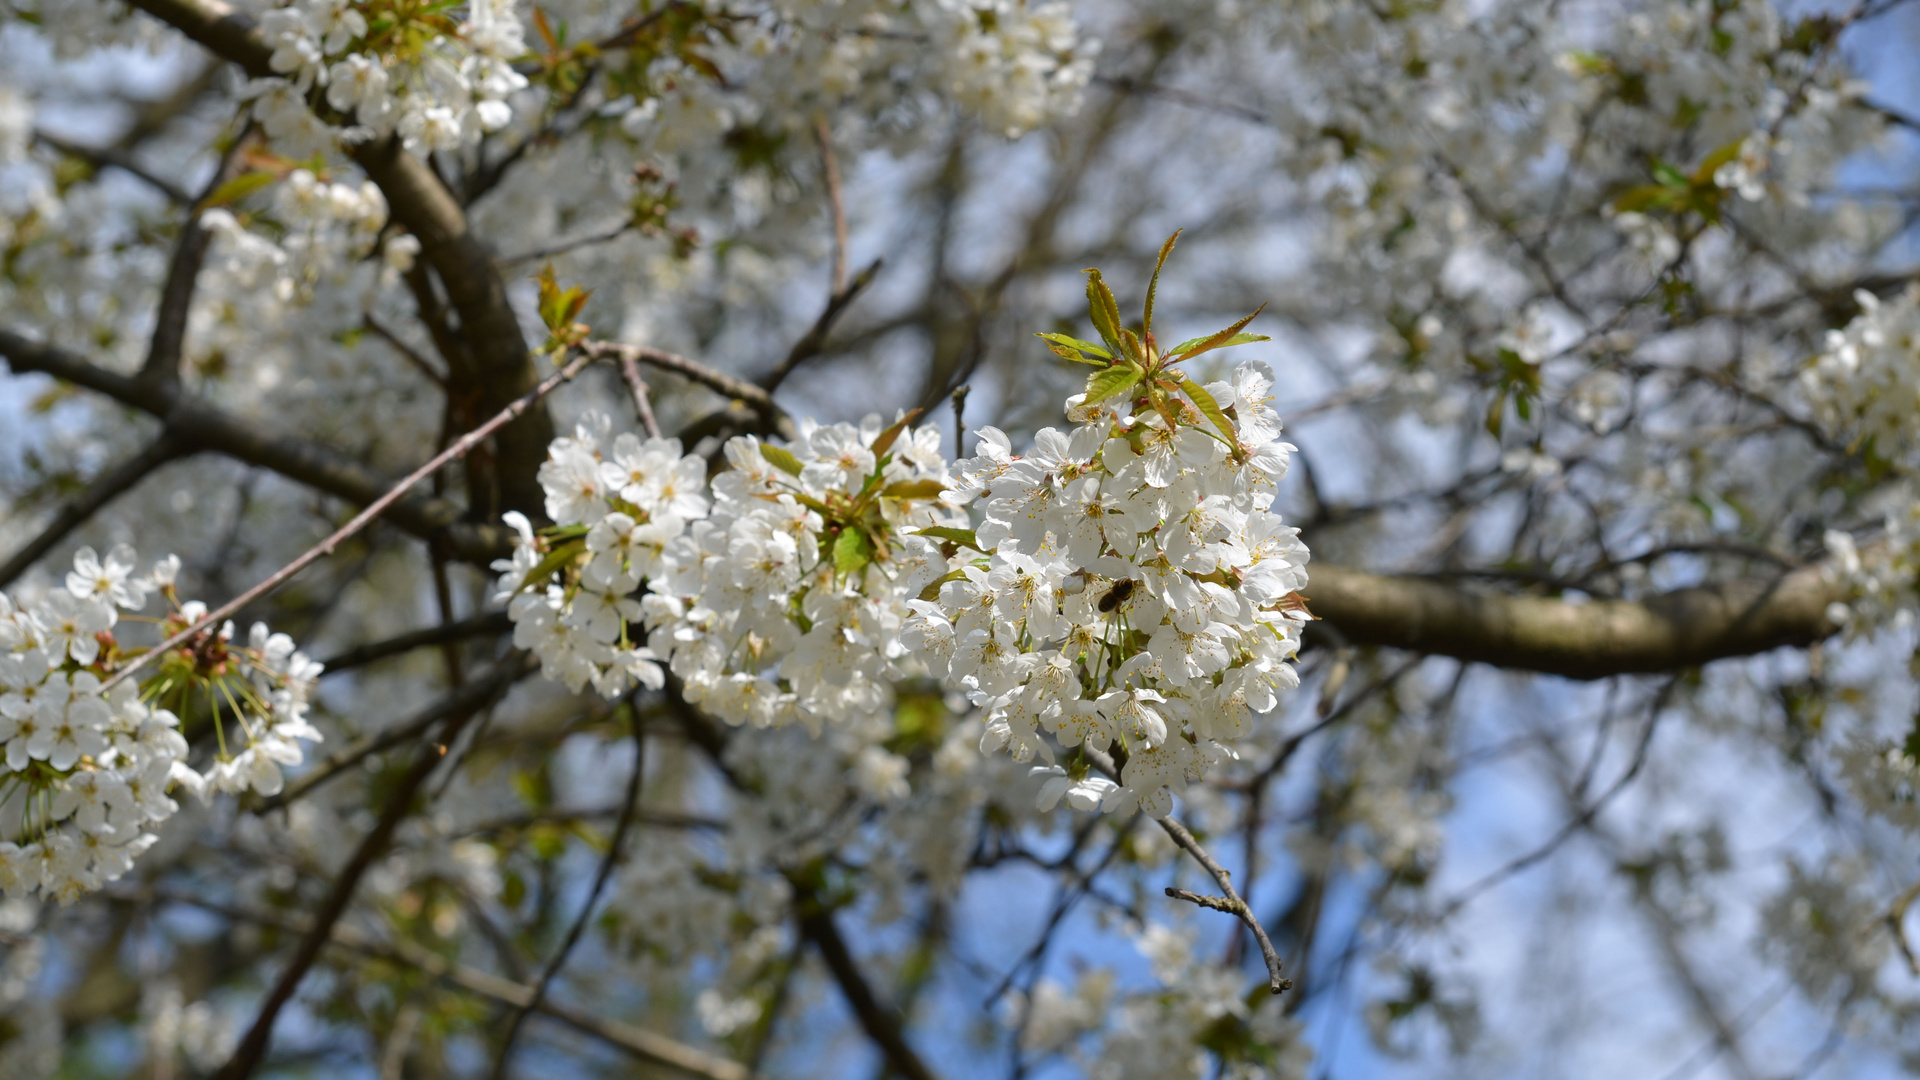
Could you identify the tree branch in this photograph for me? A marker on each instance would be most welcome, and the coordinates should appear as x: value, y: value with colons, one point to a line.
x: 643, y: 1044
x: 1232, y: 904
x: 514, y: 409
x: 482, y: 625
x: 253, y: 1046
x: 418, y: 200
x: 615, y: 847
x: 1665, y: 632
x: 169, y: 340
x: 200, y: 426
x: 880, y: 1022
x: 471, y: 697
x: 104, y: 489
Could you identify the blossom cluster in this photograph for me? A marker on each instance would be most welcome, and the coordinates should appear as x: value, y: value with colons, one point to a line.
x: 787, y: 604
x: 439, y: 86
x: 1015, y: 65
x: 1139, y: 591
x: 616, y: 504
x: 88, y: 768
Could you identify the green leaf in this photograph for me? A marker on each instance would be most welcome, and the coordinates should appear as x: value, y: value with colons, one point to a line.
x: 1135, y: 350
x: 932, y: 592
x: 1076, y: 343
x: 1646, y: 197
x: 1669, y: 175
x: 1237, y: 339
x: 555, y: 559
x: 239, y: 188
x: 852, y: 551
x: 884, y: 441
x: 1112, y: 381
x: 942, y: 532
x: 1153, y: 285
x: 1065, y: 353
x: 781, y: 458
x: 914, y: 489
x: 1230, y: 336
x: 1106, y: 313
x: 1211, y: 409
x: 1703, y: 176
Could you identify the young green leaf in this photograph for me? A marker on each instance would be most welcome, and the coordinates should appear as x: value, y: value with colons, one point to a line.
x: 852, y: 551
x: 884, y: 441
x: 1066, y: 353
x: 239, y: 188
x: 1211, y: 409
x: 1237, y: 339
x: 1105, y: 312
x: 1218, y: 341
x: 958, y: 536
x: 932, y: 591
x: 781, y: 458
x: 1113, y: 381
x: 1077, y: 344
x: 1153, y: 285
x: 914, y: 489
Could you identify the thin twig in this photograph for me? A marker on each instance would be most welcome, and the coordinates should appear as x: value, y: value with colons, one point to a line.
x: 482, y: 625
x: 361, y: 520
x: 718, y: 381
x: 564, y: 246
x: 607, y: 863
x: 815, y: 338
x: 639, y: 1042
x: 960, y: 421
x: 104, y: 489
x: 1231, y: 904
x: 113, y: 157
x: 253, y: 1046
x: 642, y: 401
x: 830, y: 170
x: 407, y: 352
x: 478, y: 694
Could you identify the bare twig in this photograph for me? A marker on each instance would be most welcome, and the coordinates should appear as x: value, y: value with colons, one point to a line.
x: 473, y: 696
x: 830, y: 171
x: 815, y: 338
x: 113, y: 157
x: 1232, y: 904
x: 253, y: 1046
x: 960, y: 421
x: 642, y: 401
x: 407, y: 352
x: 361, y: 520
x: 607, y: 862
x: 562, y: 247
x: 643, y: 1044
x: 104, y: 489
x: 482, y: 625
x: 719, y: 382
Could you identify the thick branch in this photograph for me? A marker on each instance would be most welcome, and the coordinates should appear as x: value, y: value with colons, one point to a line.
x: 199, y: 426
x: 1679, y: 629
x: 418, y: 200
x: 169, y: 340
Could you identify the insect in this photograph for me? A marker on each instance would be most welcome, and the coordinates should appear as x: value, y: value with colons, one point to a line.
x: 1117, y: 595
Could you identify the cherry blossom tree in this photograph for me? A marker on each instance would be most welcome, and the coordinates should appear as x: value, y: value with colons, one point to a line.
x: 952, y: 538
